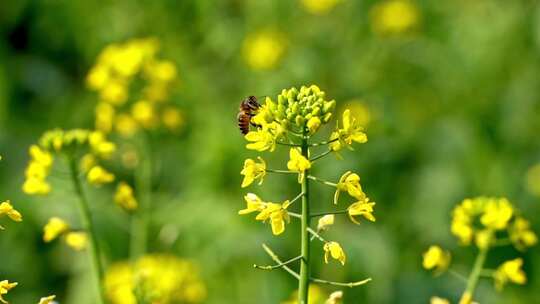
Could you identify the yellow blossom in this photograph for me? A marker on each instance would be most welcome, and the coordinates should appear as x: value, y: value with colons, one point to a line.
x: 325, y: 222
x: 261, y: 140
x: 510, y: 271
x: 97, y: 77
x: 252, y: 171
x: 54, y: 228
x: 334, y: 250
x: 254, y: 204
x: 104, y: 117
x: 36, y: 186
x: 298, y: 163
x: 313, y: 124
x: 172, y: 118
x: 349, y: 182
x: 521, y: 234
x: 125, y: 125
x: 87, y: 162
x: 394, y: 17
x: 7, y: 209
x: 76, y: 240
x: 437, y: 300
x: 100, y: 145
x: 47, y: 300
x: 41, y: 156
x: 124, y: 196
x: 98, y: 176
x: 364, y: 208
x: 263, y: 50
x: 161, y: 71
x: 5, y: 287
x: 319, y: 7
x: 437, y: 259
x: 277, y: 214
x: 335, y: 297
x: 315, y: 295
x: 114, y: 92
x: 144, y: 113
x: 497, y: 214
x: 484, y: 238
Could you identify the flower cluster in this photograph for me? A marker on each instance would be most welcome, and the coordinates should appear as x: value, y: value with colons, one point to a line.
x: 134, y: 85
x: 486, y: 222
x: 57, y: 227
x: 292, y: 120
x: 154, y: 278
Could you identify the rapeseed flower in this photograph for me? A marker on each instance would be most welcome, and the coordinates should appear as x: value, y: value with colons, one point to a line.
x: 510, y: 271
x: 364, y: 208
x: 298, y: 163
x: 7, y: 209
x: 393, y: 17
x: 124, y: 197
x: 435, y: 258
x: 253, y: 171
x: 264, y: 49
x: 334, y: 250
x: 5, y: 287
x: 349, y: 182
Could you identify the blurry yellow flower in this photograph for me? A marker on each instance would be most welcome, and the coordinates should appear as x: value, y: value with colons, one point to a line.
x: 252, y: 171
x: 5, y: 287
x: 261, y: 140
x: 124, y: 197
x: 325, y: 222
x: 360, y: 111
x: 156, y: 278
x: 497, y: 214
x: 315, y: 295
x: 466, y: 298
x: 335, y: 297
x: 351, y: 131
x: 532, y: 181
x: 363, y: 208
x: 114, y: 92
x: 163, y: 71
x: 319, y: 7
x: 394, y: 17
x: 172, y: 118
x: 437, y: 300
x: 125, y: 125
x: 98, y: 176
x: 254, y: 204
x: 313, y: 124
x: 484, y: 238
x: 47, y: 300
x: 54, y: 228
x: 100, y: 145
x: 7, y: 209
x: 334, y: 250
x: 41, y: 156
x: 437, y: 259
x: 263, y: 50
x: 144, y: 113
x: 277, y: 214
x: 510, y: 271
x: 349, y: 182
x: 298, y: 163
x: 36, y: 186
x: 97, y: 77
x: 104, y: 117
x: 76, y: 240
x: 521, y: 234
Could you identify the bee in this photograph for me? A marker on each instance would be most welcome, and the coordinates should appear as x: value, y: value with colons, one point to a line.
x: 247, y: 110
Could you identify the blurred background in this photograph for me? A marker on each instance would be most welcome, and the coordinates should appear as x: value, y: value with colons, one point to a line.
x: 448, y: 92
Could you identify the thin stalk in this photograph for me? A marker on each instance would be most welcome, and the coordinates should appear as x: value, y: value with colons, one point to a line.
x: 317, y: 214
x: 86, y: 219
x: 303, y: 284
x: 320, y: 155
x: 281, y: 171
x: 279, y: 265
x: 350, y: 284
x: 468, y: 295
x: 141, y: 218
x: 278, y: 260
x: 322, y: 143
x: 322, y: 181
x: 316, y: 235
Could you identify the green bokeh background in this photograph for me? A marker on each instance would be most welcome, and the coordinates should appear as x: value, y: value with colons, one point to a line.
x: 455, y: 112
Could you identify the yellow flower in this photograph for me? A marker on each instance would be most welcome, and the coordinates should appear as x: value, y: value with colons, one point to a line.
x: 510, y: 271
x: 172, y: 118
x: 98, y: 176
x: 363, y: 208
x: 315, y: 295
x: 350, y: 132
x: 437, y: 300
x: 263, y: 50
x: 261, y: 140
x: 497, y: 214
x: 47, y: 300
x: 161, y: 71
x: 125, y: 125
x: 54, y: 228
x: 277, y: 214
x: 349, y: 182
x: 104, y: 117
x: 521, y: 235
x: 36, y: 186
x: 41, y: 156
x: 335, y: 297
x: 252, y: 171
x: 313, y: 124
x: 114, y: 92
x: 394, y: 17
x: 7, y: 209
x: 76, y: 240
x: 254, y: 204
x: 484, y: 238
x: 437, y: 259
x: 144, y: 113
x: 156, y: 278
x: 124, y: 196
x: 5, y: 287
x: 334, y: 250
x: 100, y: 145
x: 319, y: 7
x: 298, y: 163
x: 97, y: 77
x: 325, y: 222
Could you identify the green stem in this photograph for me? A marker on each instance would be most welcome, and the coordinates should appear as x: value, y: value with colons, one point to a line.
x: 317, y: 214
x: 303, y: 284
x: 468, y: 295
x: 320, y: 155
x: 141, y: 219
x: 281, y: 171
x: 322, y: 181
x: 86, y: 219
x: 279, y: 265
